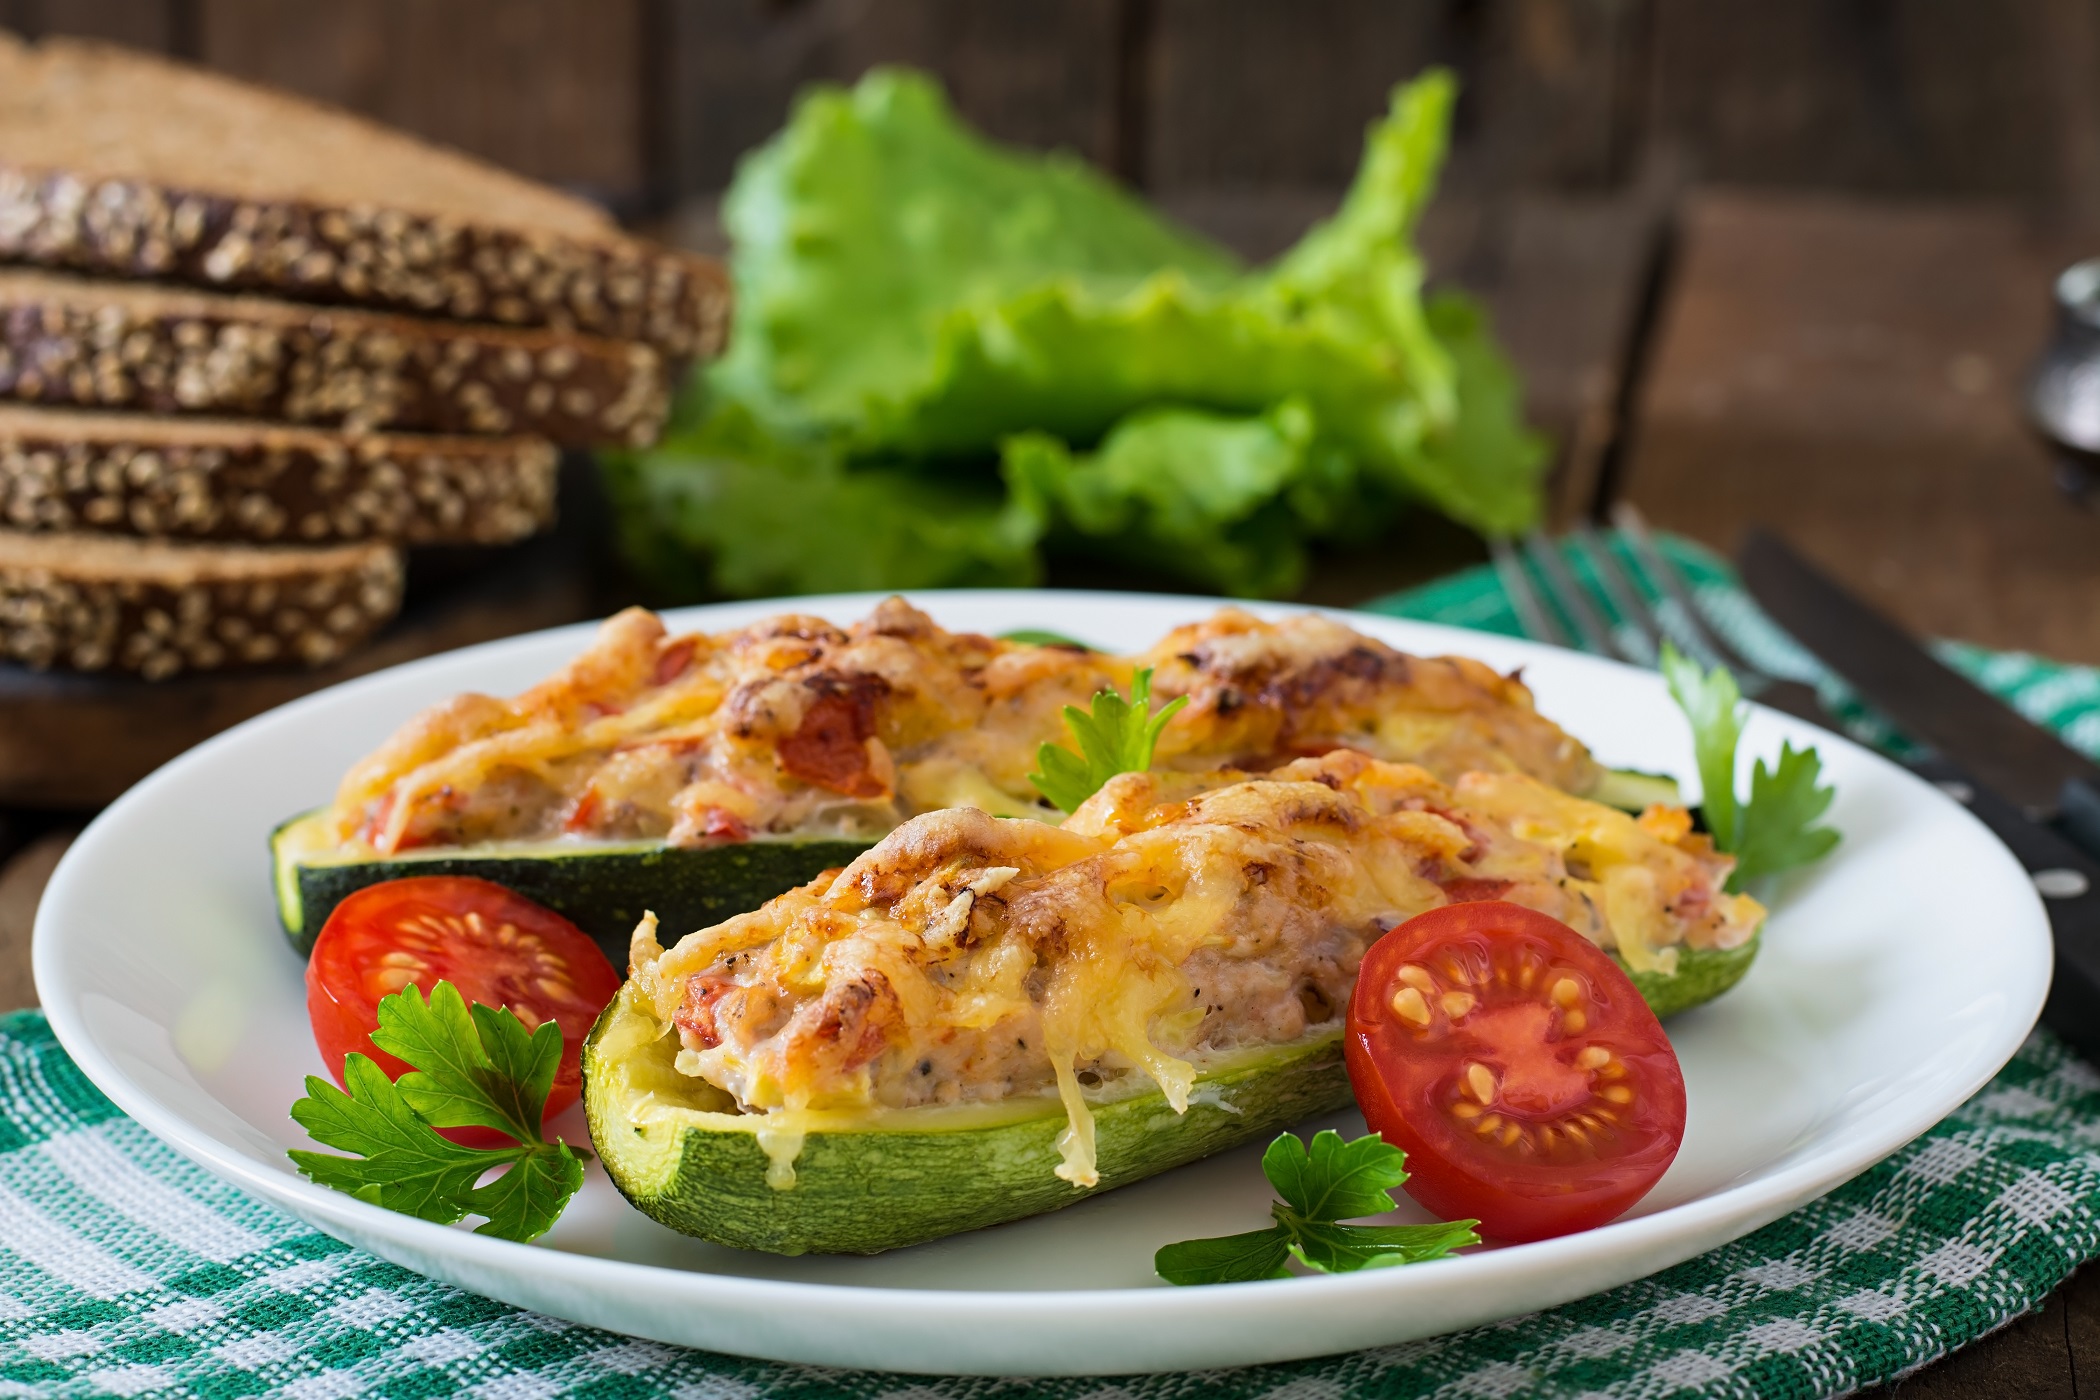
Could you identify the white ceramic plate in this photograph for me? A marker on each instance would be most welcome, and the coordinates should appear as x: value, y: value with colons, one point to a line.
x: 1895, y: 980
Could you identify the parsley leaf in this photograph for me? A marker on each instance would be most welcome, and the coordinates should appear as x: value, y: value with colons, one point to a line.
x: 1227, y: 1258
x: 1776, y: 828
x: 1116, y: 738
x: 1334, y: 1180
x: 1341, y: 1249
x: 1779, y: 828
x: 471, y: 1067
x: 1713, y: 703
x: 1320, y: 1186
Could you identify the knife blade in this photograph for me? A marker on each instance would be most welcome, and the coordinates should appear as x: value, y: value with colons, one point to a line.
x: 1932, y: 703
x: 2068, y: 881
x: 1821, y: 616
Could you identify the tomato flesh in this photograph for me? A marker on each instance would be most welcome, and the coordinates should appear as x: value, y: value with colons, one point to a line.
x: 1517, y: 1066
x: 499, y: 948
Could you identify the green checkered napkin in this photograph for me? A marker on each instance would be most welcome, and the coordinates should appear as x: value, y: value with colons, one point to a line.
x: 126, y: 1271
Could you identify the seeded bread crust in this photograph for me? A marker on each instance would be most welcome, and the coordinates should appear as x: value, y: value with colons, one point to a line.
x: 384, y: 221
x: 384, y: 259
x: 95, y: 603
x: 93, y: 344
x: 220, y: 479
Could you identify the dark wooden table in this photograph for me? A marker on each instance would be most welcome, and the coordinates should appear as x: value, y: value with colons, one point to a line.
x: 1847, y: 371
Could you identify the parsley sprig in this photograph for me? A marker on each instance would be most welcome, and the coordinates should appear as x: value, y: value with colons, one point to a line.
x: 475, y: 1067
x: 1117, y: 737
x: 1320, y: 1186
x: 1776, y: 828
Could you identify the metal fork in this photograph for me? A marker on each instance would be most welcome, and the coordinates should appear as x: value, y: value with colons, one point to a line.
x: 1643, y: 624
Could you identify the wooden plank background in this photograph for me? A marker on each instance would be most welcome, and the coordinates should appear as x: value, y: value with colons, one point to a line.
x: 646, y: 103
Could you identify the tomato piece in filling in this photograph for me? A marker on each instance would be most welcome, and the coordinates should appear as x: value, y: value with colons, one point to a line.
x: 1517, y: 1066
x: 498, y: 947
x: 829, y: 749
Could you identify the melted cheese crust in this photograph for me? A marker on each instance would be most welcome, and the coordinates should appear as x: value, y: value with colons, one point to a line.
x: 1174, y: 916
x: 794, y: 726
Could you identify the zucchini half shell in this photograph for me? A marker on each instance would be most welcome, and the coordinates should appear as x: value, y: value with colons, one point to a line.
x: 602, y: 889
x: 859, y: 1183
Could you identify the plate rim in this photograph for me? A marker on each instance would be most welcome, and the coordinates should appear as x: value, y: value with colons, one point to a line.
x: 1699, y: 1224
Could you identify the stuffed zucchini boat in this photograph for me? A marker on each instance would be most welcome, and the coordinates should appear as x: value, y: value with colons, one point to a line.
x: 982, y: 1019
x: 717, y: 771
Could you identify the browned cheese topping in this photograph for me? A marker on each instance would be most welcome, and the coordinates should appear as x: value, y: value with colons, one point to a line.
x: 1174, y: 917
x: 795, y: 726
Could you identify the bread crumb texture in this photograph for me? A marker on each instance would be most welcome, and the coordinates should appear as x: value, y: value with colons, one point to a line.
x: 72, y: 342
x: 94, y: 603
x: 210, y: 479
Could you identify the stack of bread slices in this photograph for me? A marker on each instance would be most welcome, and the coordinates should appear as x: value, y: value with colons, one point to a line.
x: 251, y: 346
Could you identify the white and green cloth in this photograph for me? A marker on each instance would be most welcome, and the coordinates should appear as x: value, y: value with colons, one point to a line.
x: 126, y: 1271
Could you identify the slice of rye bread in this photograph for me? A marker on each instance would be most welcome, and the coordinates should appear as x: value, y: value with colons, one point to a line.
x: 227, y: 479
x: 113, y: 161
x: 97, y: 602
x: 148, y: 349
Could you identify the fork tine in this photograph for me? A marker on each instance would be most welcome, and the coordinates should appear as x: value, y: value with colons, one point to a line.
x: 1692, y: 633
x: 1627, y: 600
x: 1523, y: 599
x: 1572, y: 598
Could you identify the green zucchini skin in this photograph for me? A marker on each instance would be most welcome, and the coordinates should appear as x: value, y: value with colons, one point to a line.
x: 603, y: 890
x: 1702, y: 974
x: 1631, y: 790
x: 865, y: 1191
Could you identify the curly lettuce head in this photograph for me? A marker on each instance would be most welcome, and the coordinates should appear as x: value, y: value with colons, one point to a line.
x: 1021, y: 352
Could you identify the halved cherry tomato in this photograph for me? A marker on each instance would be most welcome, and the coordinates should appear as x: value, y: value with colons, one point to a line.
x: 497, y: 947
x: 1516, y: 1065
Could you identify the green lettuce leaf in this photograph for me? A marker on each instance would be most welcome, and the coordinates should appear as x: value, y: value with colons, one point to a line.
x: 727, y: 507
x: 1222, y: 500
x: 876, y: 229
x: 947, y: 353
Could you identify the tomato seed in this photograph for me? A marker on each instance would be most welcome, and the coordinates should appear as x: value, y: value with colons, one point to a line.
x: 1481, y: 1082
x: 1593, y: 1057
x: 1616, y: 1093
x: 1573, y: 1022
x: 1567, y: 992
x: 1417, y: 977
x: 1456, y: 1004
x: 1409, y: 1006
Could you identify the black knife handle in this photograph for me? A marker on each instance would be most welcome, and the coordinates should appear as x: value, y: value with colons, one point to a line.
x: 2078, y: 813
x: 2067, y: 878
